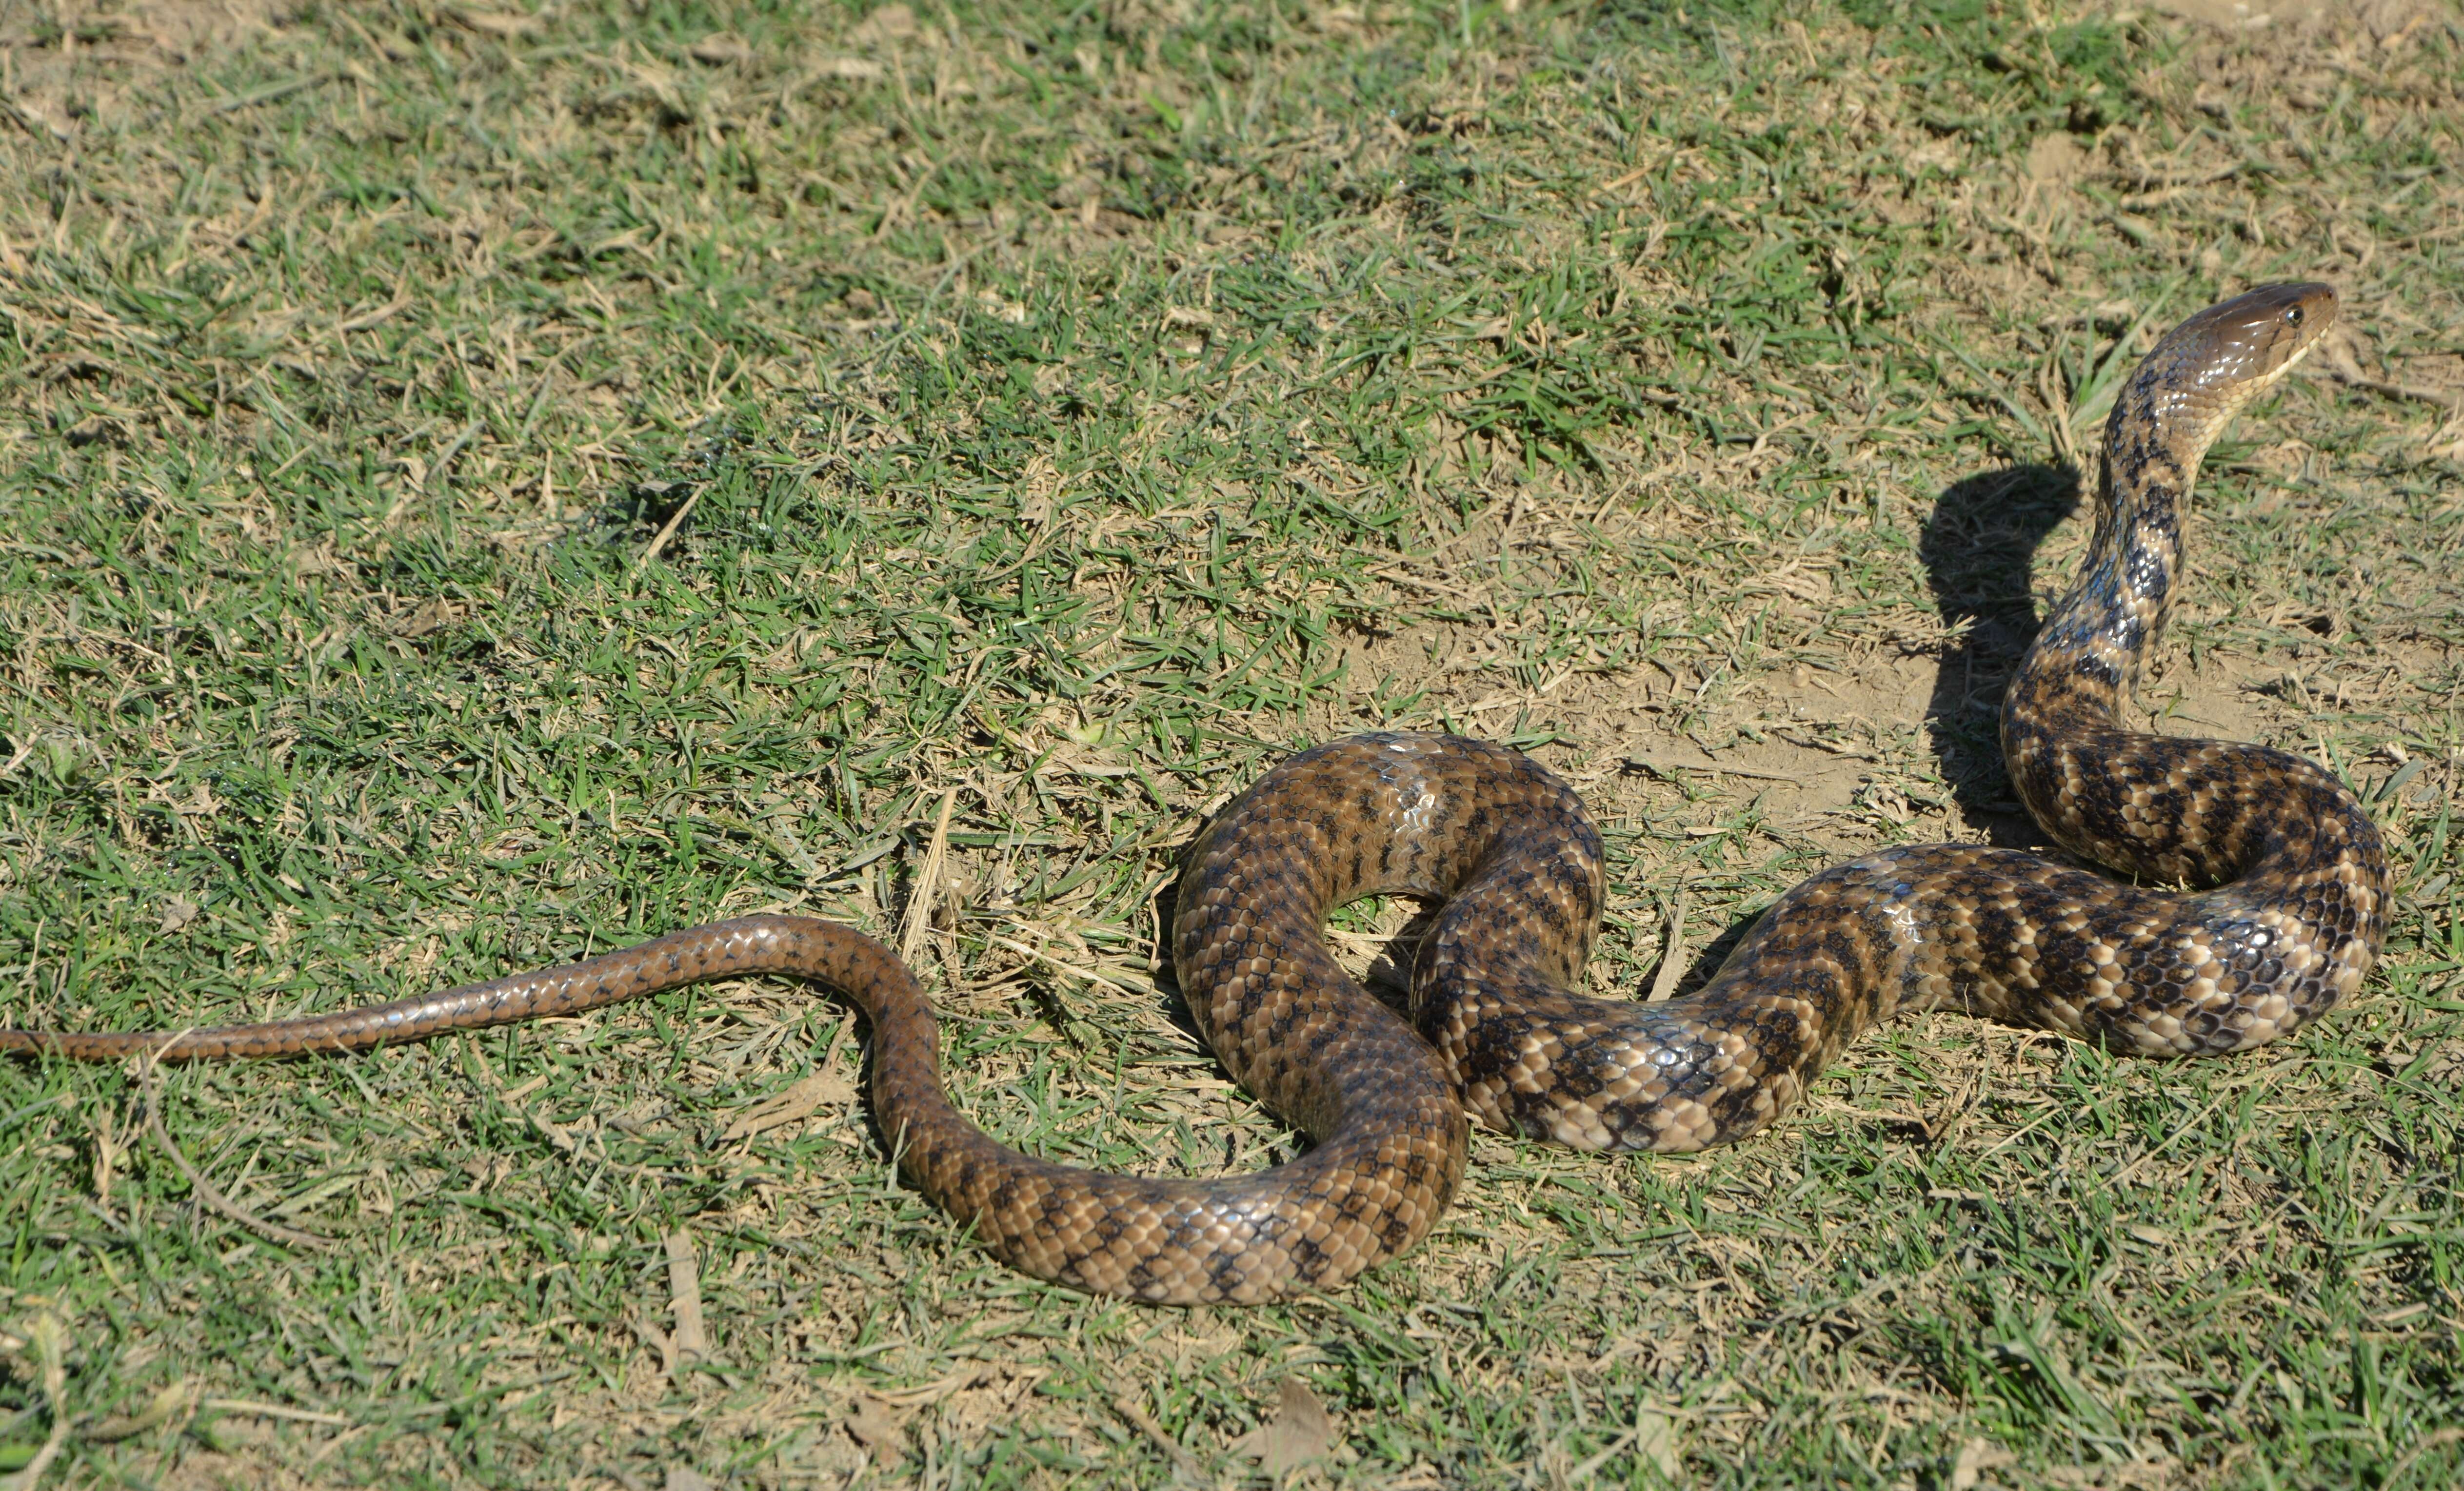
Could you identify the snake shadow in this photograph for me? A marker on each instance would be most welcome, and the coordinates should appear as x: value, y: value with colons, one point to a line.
x: 1978, y: 550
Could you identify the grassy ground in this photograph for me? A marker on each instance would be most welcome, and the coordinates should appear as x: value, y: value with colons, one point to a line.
x: 481, y: 487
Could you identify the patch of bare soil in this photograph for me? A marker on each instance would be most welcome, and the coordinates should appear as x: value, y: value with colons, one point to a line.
x: 62, y: 59
x: 2381, y: 18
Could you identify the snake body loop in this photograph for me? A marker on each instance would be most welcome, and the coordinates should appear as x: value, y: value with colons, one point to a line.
x: 2287, y: 920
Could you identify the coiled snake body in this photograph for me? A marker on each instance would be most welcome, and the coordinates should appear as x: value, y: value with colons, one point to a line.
x: 2291, y: 924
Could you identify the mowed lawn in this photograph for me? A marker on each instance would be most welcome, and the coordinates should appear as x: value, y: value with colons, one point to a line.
x: 479, y: 486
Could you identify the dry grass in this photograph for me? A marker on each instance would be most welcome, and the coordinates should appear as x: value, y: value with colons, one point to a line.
x: 482, y: 485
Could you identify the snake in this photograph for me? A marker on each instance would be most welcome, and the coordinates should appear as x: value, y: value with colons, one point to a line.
x: 2242, y: 893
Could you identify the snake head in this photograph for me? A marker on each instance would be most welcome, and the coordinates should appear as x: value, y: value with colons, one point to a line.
x: 2255, y: 339
x: 2206, y: 369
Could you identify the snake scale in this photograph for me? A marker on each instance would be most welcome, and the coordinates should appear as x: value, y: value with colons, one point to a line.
x: 2289, y: 918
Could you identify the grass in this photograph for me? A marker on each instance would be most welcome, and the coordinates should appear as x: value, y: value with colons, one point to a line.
x: 481, y: 487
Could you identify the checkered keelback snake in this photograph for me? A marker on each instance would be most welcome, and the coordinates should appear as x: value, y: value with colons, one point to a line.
x: 2289, y: 924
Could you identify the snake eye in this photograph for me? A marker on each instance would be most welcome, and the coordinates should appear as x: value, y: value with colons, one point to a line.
x: 2292, y: 317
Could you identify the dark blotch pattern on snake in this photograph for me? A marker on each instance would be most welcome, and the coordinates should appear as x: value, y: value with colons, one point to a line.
x: 2288, y: 925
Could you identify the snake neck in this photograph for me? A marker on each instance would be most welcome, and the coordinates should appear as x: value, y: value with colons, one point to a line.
x: 2085, y: 663
x: 2121, y: 797
x: 2062, y: 732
